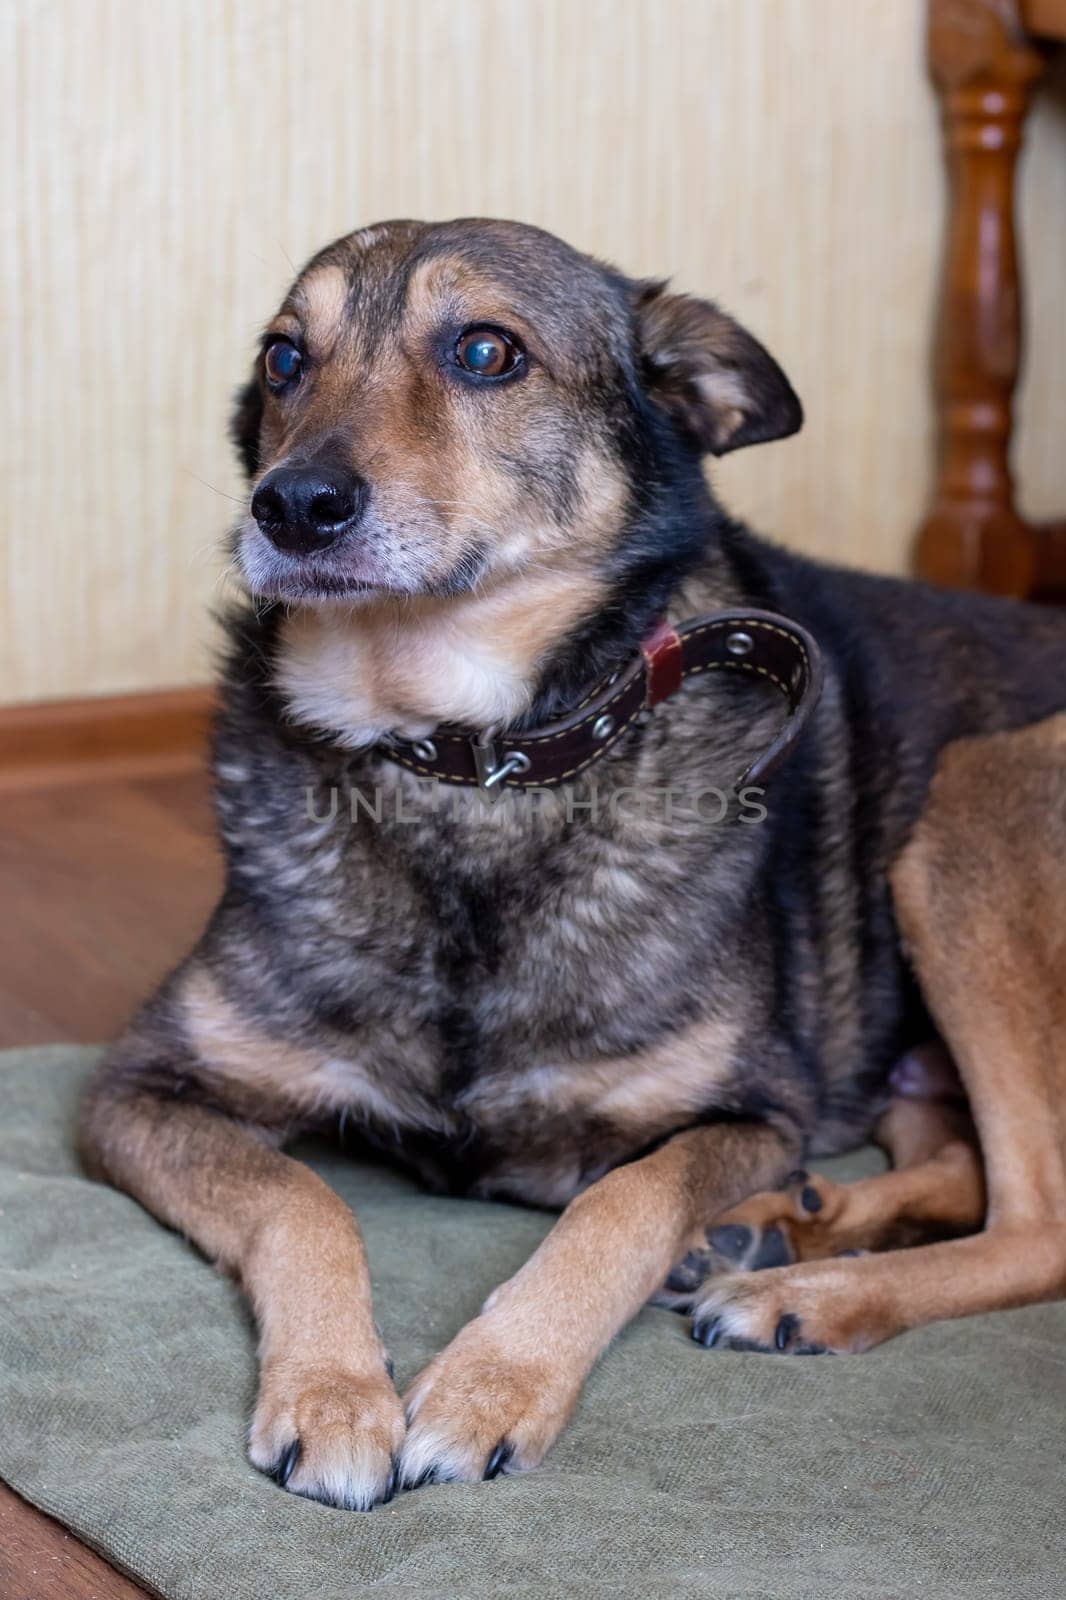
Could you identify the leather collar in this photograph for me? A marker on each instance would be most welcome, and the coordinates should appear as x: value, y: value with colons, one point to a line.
x: 758, y: 643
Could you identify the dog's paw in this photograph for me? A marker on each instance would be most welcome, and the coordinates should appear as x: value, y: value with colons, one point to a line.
x: 805, y: 1220
x: 480, y: 1409
x: 801, y: 1310
x: 329, y: 1435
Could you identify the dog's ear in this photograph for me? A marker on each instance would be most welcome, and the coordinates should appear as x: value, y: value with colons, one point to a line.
x: 717, y: 382
x: 244, y: 424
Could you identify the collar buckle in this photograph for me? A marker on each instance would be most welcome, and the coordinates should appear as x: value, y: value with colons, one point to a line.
x: 491, y: 771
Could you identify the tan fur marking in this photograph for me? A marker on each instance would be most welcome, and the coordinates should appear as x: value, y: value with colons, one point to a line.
x: 936, y: 1190
x: 648, y: 1093
x: 302, y: 1081
x: 676, y: 1081
x: 406, y: 666
x: 465, y: 292
x: 979, y: 891
x: 286, y: 323
x: 516, y: 1371
x: 297, y: 1251
x: 321, y: 297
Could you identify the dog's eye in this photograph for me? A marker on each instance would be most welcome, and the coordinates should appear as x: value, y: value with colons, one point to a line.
x: 282, y: 361
x: 488, y: 353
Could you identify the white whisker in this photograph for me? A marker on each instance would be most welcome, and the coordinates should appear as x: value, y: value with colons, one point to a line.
x: 238, y: 500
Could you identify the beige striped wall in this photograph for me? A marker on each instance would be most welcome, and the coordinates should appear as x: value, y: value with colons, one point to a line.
x: 169, y: 161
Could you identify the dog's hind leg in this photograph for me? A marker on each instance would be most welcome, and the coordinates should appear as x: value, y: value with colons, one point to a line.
x: 980, y: 893
x: 328, y: 1423
x: 935, y: 1191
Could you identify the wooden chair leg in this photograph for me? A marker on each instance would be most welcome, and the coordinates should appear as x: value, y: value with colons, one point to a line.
x: 984, y: 68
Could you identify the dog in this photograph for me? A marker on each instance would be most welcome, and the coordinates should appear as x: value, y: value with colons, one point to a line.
x: 479, y: 531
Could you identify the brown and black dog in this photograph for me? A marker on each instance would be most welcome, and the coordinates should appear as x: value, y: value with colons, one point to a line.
x: 476, y: 464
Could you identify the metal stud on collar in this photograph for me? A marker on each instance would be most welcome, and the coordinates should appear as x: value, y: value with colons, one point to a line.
x: 740, y: 644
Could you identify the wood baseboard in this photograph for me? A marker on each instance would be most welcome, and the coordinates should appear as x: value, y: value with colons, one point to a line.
x: 62, y: 742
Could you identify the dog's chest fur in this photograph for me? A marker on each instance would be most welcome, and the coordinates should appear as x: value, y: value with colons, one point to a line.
x: 513, y: 996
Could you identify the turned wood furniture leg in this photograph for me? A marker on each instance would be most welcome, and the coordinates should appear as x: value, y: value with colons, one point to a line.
x: 983, y: 67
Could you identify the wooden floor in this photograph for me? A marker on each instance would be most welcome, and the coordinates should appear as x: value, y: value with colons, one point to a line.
x: 104, y: 885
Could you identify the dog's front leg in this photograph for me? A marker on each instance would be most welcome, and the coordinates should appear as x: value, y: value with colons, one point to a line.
x: 328, y: 1422
x: 499, y: 1395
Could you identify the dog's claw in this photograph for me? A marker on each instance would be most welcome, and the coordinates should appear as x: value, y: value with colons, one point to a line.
x: 786, y: 1330
x: 498, y: 1459
x: 708, y: 1331
x: 810, y: 1199
x: 286, y: 1463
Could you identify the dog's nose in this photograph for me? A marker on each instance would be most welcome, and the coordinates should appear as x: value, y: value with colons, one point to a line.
x: 303, y: 509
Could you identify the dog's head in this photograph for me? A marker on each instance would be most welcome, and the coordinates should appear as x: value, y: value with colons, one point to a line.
x: 436, y: 407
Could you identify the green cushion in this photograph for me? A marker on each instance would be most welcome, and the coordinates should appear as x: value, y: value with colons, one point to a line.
x: 932, y: 1466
